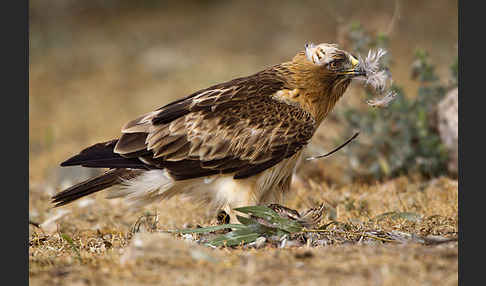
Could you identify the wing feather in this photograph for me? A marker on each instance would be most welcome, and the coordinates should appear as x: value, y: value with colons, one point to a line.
x: 131, y: 142
x: 235, y: 127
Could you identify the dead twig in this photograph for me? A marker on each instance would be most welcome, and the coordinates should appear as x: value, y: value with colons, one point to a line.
x: 335, y: 149
x: 35, y: 224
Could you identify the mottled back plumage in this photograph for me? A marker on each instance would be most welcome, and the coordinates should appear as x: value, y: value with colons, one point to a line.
x: 235, y: 127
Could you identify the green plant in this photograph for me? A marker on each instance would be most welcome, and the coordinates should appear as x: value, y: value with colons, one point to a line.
x: 263, y: 222
x: 403, y: 137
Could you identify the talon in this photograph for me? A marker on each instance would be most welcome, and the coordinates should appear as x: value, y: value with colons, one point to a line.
x: 223, y: 217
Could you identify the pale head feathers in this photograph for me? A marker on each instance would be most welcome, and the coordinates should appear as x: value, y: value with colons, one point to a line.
x: 320, y: 54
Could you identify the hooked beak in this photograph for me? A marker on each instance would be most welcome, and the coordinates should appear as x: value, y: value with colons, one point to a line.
x: 355, y: 69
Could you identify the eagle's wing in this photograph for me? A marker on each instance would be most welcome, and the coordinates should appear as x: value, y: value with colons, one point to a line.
x: 236, y: 127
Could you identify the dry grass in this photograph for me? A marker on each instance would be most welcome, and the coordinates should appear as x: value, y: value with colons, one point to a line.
x: 101, y: 235
x: 107, y: 68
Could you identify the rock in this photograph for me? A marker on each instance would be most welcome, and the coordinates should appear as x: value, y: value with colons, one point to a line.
x: 258, y: 243
x: 447, y: 114
x: 166, y: 247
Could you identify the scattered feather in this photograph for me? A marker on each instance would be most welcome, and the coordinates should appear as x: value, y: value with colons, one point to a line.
x: 384, y: 101
x: 377, y: 77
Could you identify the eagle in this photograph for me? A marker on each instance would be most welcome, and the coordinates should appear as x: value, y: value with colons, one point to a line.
x: 233, y: 144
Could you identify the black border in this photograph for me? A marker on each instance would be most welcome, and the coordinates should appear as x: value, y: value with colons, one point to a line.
x: 15, y: 144
x: 471, y: 125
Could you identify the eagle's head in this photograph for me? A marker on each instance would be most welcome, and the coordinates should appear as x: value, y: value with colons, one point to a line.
x: 322, y: 74
x: 333, y: 61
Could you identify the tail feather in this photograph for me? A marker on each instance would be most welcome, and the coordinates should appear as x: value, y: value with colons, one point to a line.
x: 93, y: 185
x: 101, y: 155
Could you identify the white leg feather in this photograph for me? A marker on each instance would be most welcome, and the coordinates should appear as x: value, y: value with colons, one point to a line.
x: 216, y: 192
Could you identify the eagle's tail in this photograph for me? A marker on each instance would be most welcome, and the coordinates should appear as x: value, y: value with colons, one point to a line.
x: 93, y: 185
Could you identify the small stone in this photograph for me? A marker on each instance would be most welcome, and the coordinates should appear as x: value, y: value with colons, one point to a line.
x: 447, y: 113
x: 260, y: 242
x: 165, y: 247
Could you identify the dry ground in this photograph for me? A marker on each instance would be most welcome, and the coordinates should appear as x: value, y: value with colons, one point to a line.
x: 93, y: 69
x: 100, y: 230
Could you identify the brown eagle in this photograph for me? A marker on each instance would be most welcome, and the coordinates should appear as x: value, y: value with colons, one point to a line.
x: 233, y: 144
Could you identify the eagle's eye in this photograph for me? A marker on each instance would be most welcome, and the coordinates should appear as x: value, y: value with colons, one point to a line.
x: 334, y: 65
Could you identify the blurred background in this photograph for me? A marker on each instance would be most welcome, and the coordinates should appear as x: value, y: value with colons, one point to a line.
x: 94, y: 65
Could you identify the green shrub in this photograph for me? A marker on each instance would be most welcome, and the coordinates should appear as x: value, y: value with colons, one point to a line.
x: 402, y: 137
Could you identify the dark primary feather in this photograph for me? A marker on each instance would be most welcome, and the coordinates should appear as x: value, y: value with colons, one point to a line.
x: 99, y: 151
x: 108, y: 179
x: 101, y: 155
